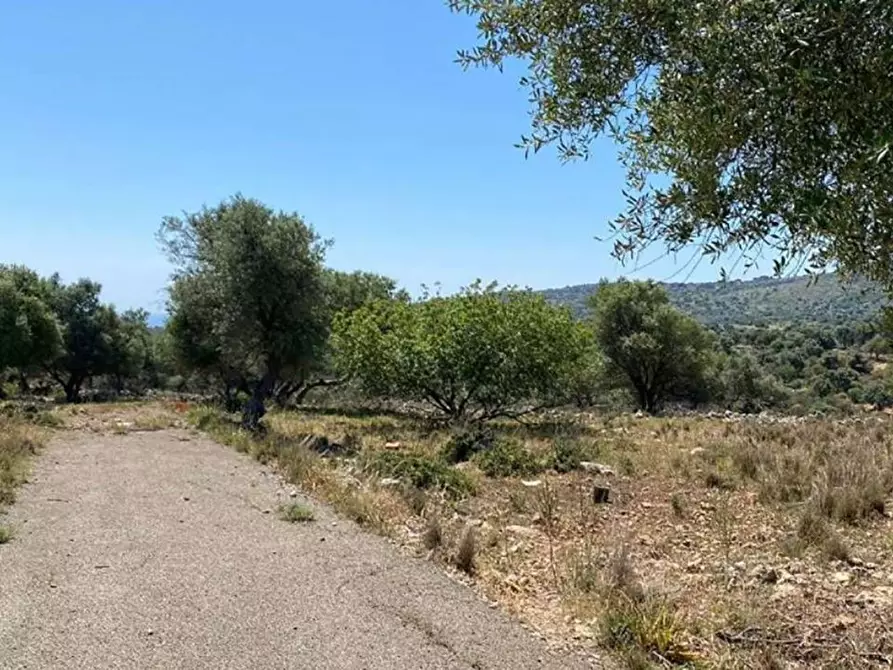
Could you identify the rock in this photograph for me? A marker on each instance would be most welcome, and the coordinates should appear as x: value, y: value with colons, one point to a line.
x: 783, y: 591
x: 697, y: 451
x: 533, y: 483
x: 841, y: 577
x: 582, y: 632
x: 522, y: 530
x: 597, y: 468
x: 293, y: 493
x: 601, y: 494
x: 392, y: 445
x: 880, y: 596
x: 389, y: 481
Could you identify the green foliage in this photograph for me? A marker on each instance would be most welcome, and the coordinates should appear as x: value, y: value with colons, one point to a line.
x: 296, y: 513
x: 747, y: 388
x: 567, y: 454
x: 94, y: 341
x: 650, y: 346
x: 29, y: 333
x: 246, y: 300
x: 420, y: 471
x: 759, y: 302
x: 768, y: 122
x: 343, y: 293
x: 475, y: 356
x: 508, y: 458
x: 466, y: 441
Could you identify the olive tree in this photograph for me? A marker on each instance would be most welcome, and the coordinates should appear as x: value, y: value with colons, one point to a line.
x: 29, y: 332
x: 343, y: 292
x: 649, y: 346
x: 247, y: 293
x: 744, y: 126
x: 89, y: 330
x: 481, y: 354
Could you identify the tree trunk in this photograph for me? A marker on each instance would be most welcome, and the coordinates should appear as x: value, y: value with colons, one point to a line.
x: 255, y: 408
x: 24, y: 389
x: 73, y: 389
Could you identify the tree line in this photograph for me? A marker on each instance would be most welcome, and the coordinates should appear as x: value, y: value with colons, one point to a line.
x: 256, y: 315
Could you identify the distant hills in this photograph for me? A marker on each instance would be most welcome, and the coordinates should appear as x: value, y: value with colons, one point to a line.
x: 825, y: 299
x: 764, y: 300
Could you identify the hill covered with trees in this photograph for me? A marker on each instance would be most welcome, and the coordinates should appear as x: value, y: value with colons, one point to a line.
x: 825, y: 300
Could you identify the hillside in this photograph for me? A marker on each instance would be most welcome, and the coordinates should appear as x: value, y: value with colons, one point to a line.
x: 824, y: 300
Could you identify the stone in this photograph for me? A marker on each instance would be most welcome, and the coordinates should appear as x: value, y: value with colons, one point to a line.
x: 389, y: 481
x: 783, y: 591
x: 697, y: 451
x: 392, y: 445
x: 521, y: 530
x: 531, y: 484
x: 880, y: 596
x: 597, y: 468
x: 841, y: 577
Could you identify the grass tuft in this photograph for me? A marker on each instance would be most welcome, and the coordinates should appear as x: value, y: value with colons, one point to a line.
x: 466, y: 552
x: 296, y: 513
x: 19, y: 442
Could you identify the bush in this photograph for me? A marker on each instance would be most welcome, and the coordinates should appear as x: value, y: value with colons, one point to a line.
x: 479, y: 355
x: 18, y: 443
x: 567, y: 454
x: 420, y: 471
x: 465, y: 442
x: 508, y: 458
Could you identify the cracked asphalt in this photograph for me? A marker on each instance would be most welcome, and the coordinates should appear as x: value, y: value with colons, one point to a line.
x: 164, y: 550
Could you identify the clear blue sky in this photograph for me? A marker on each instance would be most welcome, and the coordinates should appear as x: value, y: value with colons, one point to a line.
x: 353, y: 113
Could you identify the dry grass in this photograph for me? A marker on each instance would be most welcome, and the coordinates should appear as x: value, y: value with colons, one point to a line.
x: 19, y: 442
x: 733, y: 544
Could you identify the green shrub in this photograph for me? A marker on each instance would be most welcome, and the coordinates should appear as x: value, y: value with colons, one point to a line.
x: 567, y: 454
x: 296, y: 513
x: 465, y: 442
x: 423, y: 472
x: 508, y: 458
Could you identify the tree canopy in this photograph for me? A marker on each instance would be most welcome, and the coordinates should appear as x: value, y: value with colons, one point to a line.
x: 745, y: 126
x: 29, y: 332
x: 648, y: 344
x: 483, y: 353
x: 247, y: 292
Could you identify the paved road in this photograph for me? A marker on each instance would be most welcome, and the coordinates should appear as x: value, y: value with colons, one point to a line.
x: 152, y: 550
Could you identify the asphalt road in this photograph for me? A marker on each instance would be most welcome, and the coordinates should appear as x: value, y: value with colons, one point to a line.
x: 154, y: 550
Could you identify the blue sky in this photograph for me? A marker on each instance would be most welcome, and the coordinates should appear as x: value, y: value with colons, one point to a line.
x: 353, y: 113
